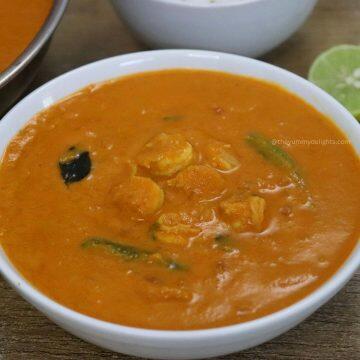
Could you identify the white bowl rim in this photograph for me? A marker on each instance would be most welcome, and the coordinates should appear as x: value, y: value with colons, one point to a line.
x: 216, y: 5
x: 313, y: 300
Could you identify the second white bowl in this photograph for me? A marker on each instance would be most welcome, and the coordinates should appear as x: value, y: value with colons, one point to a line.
x: 246, y: 27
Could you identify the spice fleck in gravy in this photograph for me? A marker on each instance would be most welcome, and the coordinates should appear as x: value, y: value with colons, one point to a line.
x: 179, y: 200
x: 20, y: 21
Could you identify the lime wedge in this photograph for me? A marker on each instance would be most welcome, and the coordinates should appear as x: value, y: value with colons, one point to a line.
x: 337, y: 71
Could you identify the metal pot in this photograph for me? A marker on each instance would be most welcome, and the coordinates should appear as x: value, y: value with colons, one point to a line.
x: 15, y: 79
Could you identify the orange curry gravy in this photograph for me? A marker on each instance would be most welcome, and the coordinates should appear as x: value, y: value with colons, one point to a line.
x: 226, y: 234
x: 20, y: 20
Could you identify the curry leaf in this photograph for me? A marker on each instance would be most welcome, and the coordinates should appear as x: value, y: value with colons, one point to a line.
x: 224, y: 242
x: 275, y: 155
x: 173, y: 117
x: 129, y: 252
x: 153, y: 229
x: 126, y: 251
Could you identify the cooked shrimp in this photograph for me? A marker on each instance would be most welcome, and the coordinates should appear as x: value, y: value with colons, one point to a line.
x: 220, y: 156
x: 180, y: 227
x: 176, y: 228
x: 244, y: 213
x: 166, y: 154
x: 201, y: 181
x: 140, y: 195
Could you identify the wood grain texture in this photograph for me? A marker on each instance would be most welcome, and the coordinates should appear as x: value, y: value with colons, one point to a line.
x: 91, y: 31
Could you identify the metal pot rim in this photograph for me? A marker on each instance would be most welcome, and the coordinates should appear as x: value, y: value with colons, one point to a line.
x: 36, y: 44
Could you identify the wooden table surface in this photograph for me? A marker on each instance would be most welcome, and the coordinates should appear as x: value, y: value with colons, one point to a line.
x: 90, y: 31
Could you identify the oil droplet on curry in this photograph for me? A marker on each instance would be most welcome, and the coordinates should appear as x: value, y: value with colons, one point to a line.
x: 179, y: 200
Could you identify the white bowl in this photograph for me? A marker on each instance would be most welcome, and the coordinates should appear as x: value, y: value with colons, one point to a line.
x: 176, y: 344
x: 245, y: 27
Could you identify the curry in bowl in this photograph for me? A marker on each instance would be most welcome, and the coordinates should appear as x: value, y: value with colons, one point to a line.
x: 179, y: 199
x: 20, y: 21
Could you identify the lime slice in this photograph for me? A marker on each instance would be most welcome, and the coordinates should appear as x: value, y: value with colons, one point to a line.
x: 337, y: 71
